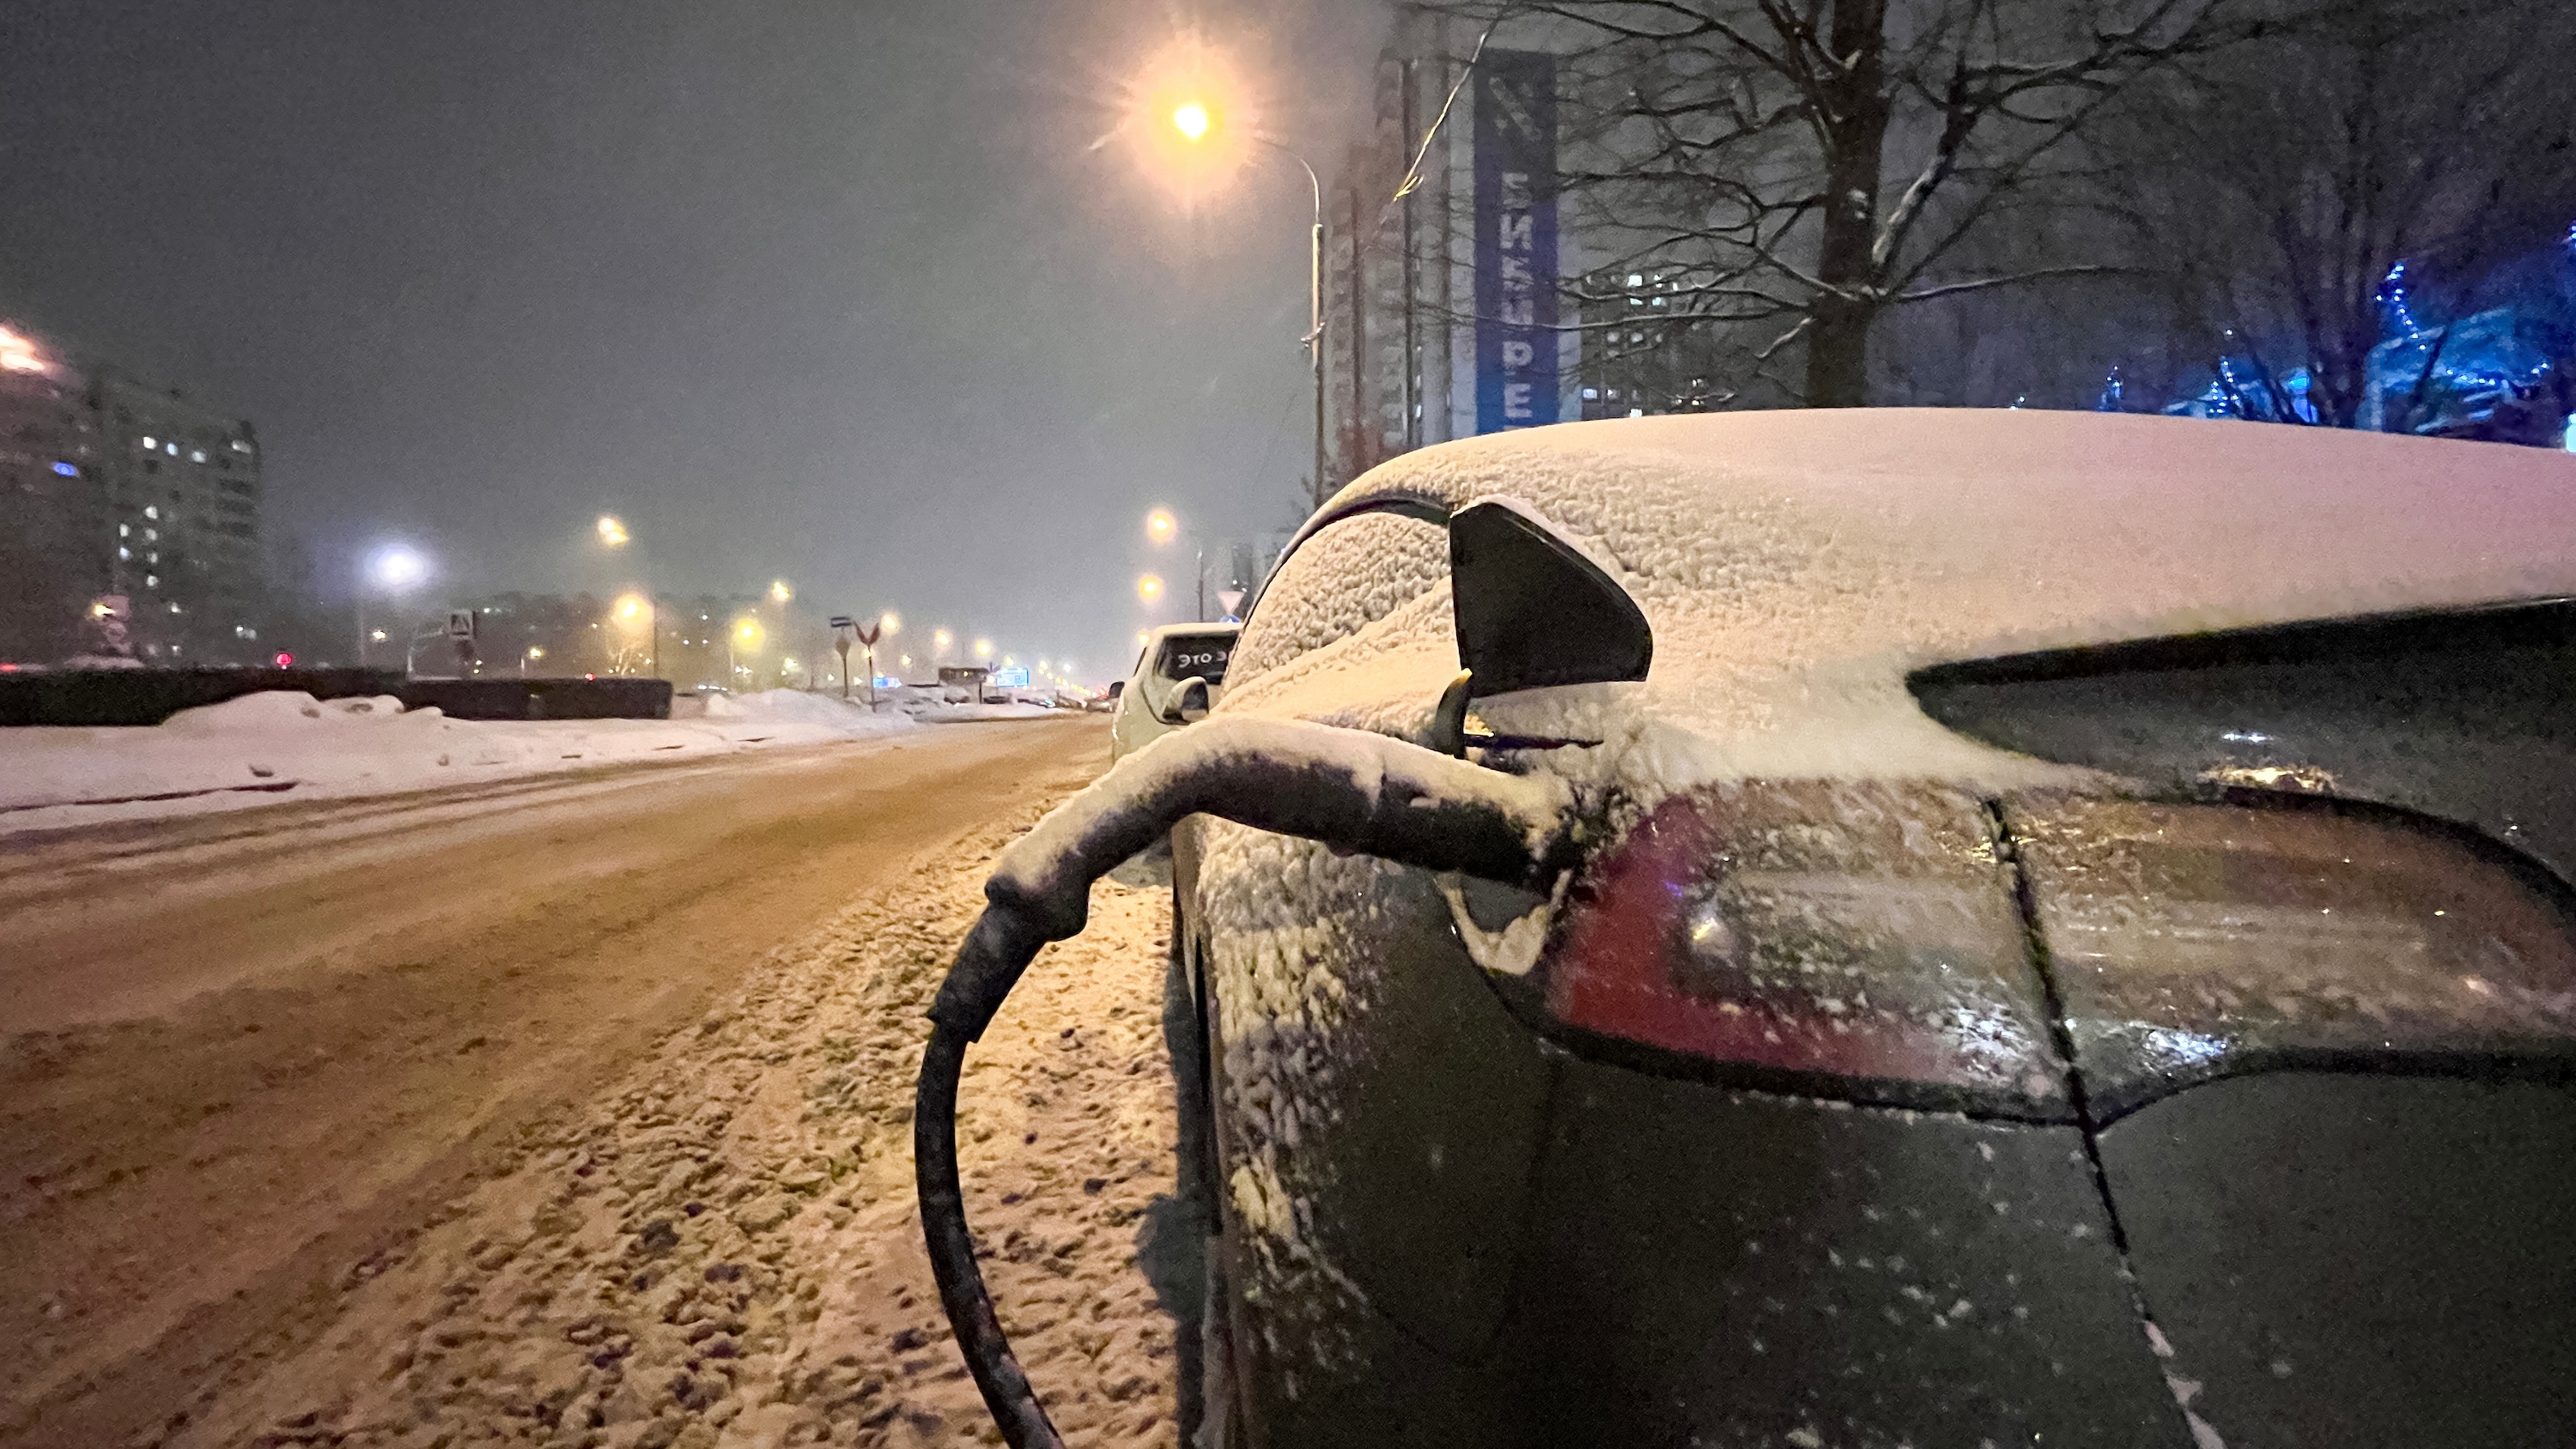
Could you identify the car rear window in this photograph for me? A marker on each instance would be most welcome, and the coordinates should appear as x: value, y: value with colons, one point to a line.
x: 1201, y: 655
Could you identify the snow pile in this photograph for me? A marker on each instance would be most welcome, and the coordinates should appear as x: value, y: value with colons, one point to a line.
x: 794, y: 706
x: 288, y: 745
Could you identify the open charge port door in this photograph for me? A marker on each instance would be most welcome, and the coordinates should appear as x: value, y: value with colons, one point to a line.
x: 2329, y: 1048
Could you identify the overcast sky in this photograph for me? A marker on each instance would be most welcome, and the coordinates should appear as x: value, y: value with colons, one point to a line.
x: 843, y: 293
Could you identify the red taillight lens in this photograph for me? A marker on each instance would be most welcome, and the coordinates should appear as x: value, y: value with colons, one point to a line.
x: 1850, y: 939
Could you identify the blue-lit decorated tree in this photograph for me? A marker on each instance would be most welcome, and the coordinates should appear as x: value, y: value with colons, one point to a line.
x: 2357, y: 202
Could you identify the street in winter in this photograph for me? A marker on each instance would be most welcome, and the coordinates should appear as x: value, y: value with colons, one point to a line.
x: 460, y: 1113
x: 1288, y: 724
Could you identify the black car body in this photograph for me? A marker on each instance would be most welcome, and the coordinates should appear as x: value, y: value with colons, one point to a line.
x: 2073, y: 947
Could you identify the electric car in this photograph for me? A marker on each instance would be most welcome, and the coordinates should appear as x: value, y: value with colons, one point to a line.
x: 1157, y: 698
x: 1980, y: 929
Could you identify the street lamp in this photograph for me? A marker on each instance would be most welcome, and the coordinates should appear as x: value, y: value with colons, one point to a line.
x: 743, y: 638
x: 1196, y: 123
x: 395, y: 568
x: 1149, y: 587
x: 1161, y: 527
x: 613, y: 535
x: 640, y: 610
x: 983, y: 648
x: 779, y: 593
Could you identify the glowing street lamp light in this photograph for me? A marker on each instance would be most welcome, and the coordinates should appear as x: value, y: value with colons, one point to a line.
x: 612, y: 533
x: 1191, y: 120
x: 983, y: 648
x: 17, y: 354
x: 1160, y: 526
x: 889, y: 624
x: 1149, y: 587
x: 397, y: 567
x: 743, y: 638
x: 779, y: 592
x: 633, y: 608
x: 940, y: 639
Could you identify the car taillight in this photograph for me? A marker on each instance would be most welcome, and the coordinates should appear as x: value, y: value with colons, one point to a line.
x: 1852, y: 940
x: 2194, y: 941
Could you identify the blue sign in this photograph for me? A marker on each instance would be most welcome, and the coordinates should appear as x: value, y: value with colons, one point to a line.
x: 1516, y: 384
x: 1014, y: 677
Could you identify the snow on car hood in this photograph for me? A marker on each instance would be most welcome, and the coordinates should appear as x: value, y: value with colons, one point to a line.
x: 1796, y: 565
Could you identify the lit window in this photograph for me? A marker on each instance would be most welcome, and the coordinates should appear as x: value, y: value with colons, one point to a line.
x: 174, y: 608
x: 1636, y: 412
x: 152, y: 511
x: 153, y: 534
x: 1636, y: 279
x: 170, y: 448
x: 125, y: 553
x: 198, y: 455
x: 151, y: 442
x: 151, y: 581
x: 1591, y: 393
x: 124, y: 530
x: 67, y: 470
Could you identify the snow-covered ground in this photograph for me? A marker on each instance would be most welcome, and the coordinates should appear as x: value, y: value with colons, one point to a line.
x: 286, y: 745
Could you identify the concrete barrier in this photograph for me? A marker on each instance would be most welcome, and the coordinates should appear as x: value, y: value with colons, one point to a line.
x: 509, y: 698
x: 88, y: 697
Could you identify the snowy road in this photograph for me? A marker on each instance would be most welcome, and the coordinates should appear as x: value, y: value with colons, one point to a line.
x: 568, y: 1111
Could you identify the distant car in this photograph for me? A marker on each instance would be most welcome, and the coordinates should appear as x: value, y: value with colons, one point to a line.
x: 1153, y: 702
x: 2067, y: 941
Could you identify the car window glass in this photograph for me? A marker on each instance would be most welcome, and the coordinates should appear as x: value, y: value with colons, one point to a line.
x: 1340, y: 581
x: 1201, y: 656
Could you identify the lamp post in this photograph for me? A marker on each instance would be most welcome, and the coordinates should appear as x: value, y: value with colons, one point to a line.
x: 393, y: 568
x: 612, y: 536
x: 1196, y: 123
x: 1161, y: 528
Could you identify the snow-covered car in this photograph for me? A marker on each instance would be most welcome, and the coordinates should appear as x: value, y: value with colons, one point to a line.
x: 1863, y: 929
x: 1158, y: 698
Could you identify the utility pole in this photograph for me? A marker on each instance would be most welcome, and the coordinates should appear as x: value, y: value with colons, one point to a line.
x: 1315, y: 332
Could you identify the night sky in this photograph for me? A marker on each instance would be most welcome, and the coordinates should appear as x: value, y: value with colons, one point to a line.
x: 844, y: 293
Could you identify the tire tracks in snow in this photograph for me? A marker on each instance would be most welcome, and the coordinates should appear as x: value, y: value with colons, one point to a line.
x: 723, y: 1250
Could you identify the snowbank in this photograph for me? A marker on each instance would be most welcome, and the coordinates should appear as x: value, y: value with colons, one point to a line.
x: 288, y: 745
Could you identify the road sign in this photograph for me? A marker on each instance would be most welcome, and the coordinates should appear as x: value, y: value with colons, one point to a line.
x: 868, y: 635
x: 844, y: 621
x: 460, y: 624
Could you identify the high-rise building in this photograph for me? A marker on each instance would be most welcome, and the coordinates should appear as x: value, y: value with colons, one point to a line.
x: 129, y: 517
x: 183, y: 501
x: 1444, y: 270
x: 1461, y: 297
x: 53, y: 504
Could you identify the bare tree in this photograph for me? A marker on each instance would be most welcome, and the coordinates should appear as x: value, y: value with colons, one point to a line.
x: 2283, y: 184
x: 1792, y: 170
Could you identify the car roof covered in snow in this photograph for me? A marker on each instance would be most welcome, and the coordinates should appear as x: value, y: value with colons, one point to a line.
x: 1795, y: 565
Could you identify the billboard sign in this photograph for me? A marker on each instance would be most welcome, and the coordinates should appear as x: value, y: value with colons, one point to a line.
x: 1515, y: 217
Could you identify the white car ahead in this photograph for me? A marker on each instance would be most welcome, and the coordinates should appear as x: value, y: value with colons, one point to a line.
x: 1151, y: 704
